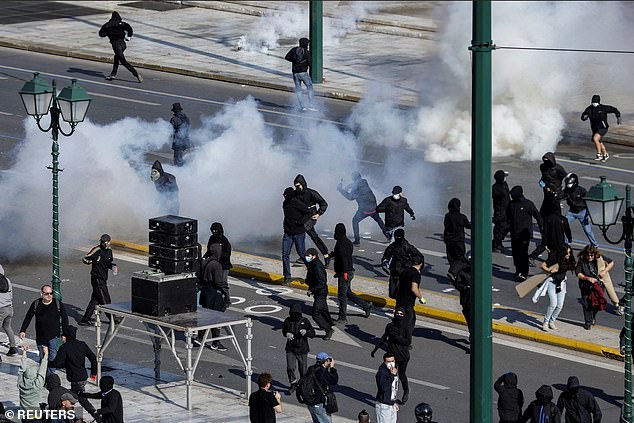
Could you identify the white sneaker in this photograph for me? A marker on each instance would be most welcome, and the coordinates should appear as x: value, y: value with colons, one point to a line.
x: 313, y: 109
x: 599, y: 158
x: 552, y: 326
x: 545, y: 327
x: 606, y: 156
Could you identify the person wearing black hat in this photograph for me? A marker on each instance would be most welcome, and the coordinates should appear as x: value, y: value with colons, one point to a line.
x: 167, y: 188
x: 598, y: 115
x: 394, y: 208
x: 101, y: 259
x: 501, y: 198
x: 111, y: 410
x: 118, y: 32
x: 318, y: 288
x: 579, y: 405
x: 300, y: 57
x: 360, y: 191
x: 180, y: 137
x: 397, y: 258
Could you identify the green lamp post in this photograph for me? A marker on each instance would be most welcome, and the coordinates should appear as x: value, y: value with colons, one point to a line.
x: 604, y: 204
x: 71, y: 104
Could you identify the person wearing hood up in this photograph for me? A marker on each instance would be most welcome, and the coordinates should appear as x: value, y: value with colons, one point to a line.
x: 118, y: 32
x: 461, y: 271
x: 344, y: 272
x: 6, y: 311
x: 394, y: 208
x: 520, y: 214
x: 180, y: 136
x: 552, y: 178
x: 453, y: 235
x: 396, y: 258
x: 542, y: 409
x: 510, y: 398
x: 214, y: 289
x: 111, y: 410
x: 579, y: 405
x: 296, y: 329
x: 296, y: 215
x: 300, y: 57
x: 55, y: 391
x: 360, y: 191
x: 501, y: 198
x: 101, y: 260
x: 165, y: 184
x: 31, y: 380
x: 317, y: 282
x: 577, y: 207
x: 218, y: 237
x: 315, y: 201
x: 598, y: 114
x: 555, y: 230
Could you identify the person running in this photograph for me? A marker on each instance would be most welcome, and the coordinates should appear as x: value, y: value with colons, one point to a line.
x: 316, y: 202
x: 360, y: 191
x: 598, y: 115
x: 318, y: 288
x: 396, y: 258
x: 394, y: 208
x: 118, y: 32
x: 520, y: 214
x: 577, y: 207
x: 557, y: 265
x: 592, y: 269
x: 101, y: 260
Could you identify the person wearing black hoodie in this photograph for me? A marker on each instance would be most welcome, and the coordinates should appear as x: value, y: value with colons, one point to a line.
x: 542, y: 409
x: 394, y: 208
x: 520, y: 214
x: 453, y: 235
x: 501, y: 199
x: 461, y: 272
x: 300, y: 57
x: 296, y: 214
x: 118, y: 32
x: 296, y: 329
x: 218, y: 237
x: 167, y: 188
x: 397, y: 258
x: 111, y: 410
x: 55, y: 391
x: 360, y: 191
x: 344, y: 272
x: 580, y: 405
x: 316, y: 202
x: 180, y: 134
x: 598, y: 114
x: 318, y: 288
x: 214, y: 289
x: 553, y: 175
x: 101, y: 260
x: 511, y: 398
x: 577, y: 207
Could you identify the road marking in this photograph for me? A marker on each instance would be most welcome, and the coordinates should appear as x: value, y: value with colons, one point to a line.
x: 624, y: 156
x: 422, y: 250
x: 267, y: 309
x: 131, y: 100
x: 6, y: 114
x: 618, y: 169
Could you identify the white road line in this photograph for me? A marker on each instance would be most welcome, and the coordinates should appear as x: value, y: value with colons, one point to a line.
x: 114, y: 97
x: 6, y: 114
x: 422, y: 250
x: 594, y: 165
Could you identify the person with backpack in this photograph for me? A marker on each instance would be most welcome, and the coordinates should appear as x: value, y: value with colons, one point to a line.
x: 6, y: 311
x: 394, y: 208
x: 214, y: 290
x: 396, y: 258
x: 542, y: 409
x: 118, y: 32
x: 296, y: 329
x: 296, y: 215
x: 580, y: 405
x: 300, y: 57
x: 314, y: 386
x: 318, y: 288
x: 360, y: 191
x: 510, y: 398
x: 50, y: 315
x: 101, y: 260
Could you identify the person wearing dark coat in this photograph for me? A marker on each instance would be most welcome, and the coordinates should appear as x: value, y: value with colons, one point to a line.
x: 394, y: 208
x: 318, y: 288
x: 296, y: 214
x: 301, y: 58
x: 214, y: 289
x: 180, y: 136
x: 577, y: 207
x: 344, y: 272
x: 579, y: 405
x: 387, y: 378
x: 453, y: 235
x: 360, y: 191
x: 553, y: 175
x: 520, y: 214
x: 55, y: 391
x: 555, y: 231
x: 461, y: 271
x: 101, y: 260
x: 542, y: 409
x: 315, y: 201
x: 598, y: 114
x: 396, y: 258
x: 218, y: 237
x: 501, y: 198
x: 510, y: 398
x: 296, y: 329
x: 165, y: 184
x: 111, y: 410
x: 118, y: 32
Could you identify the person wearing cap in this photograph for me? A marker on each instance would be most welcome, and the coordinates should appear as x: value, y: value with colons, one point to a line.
x: 111, y: 410
x: 167, y: 188
x: 360, y: 191
x: 6, y: 313
x: 180, y: 136
x: 501, y: 198
x: 394, y: 208
x: 598, y: 115
x: 68, y: 402
x: 300, y: 57
x: 326, y: 375
x: 579, y: 405
x: 396, y: 258
x: 101, y: 260
x: 387, y: 378
x: 318, y: 288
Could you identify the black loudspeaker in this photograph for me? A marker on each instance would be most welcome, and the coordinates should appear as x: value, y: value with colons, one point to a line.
x: 169, y: 240
x: 169, y: 266
x: 172, y: 253
x: 157, y: 294
x: 174, y: 225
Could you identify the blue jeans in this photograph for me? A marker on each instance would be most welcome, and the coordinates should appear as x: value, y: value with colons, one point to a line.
x: 584, y: 217
x: 287, y: 244
x: 556, y: 301
x: 385, y: 413
x: 53, y: 346
x: 304, y: 77
x: 318, y: 414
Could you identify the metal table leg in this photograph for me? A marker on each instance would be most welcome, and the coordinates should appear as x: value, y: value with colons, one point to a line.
x: 189, y: 374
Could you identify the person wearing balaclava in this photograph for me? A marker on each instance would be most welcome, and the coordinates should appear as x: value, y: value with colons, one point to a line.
x: 218, y: 237
x: 542, y: 409
x: 111, y: 410
x: 579, y: 405
x: 315, y: 201
x: 510, y: 398
x: 296, y: 329
x: 520, y: 214
x: 300, y: 57
x: 296, y: 215
x: 165, y: 184
x: 577, y: 208
x: 317, y: 282
x: 455, y: 223
x: 118, y: 32
x: 360, y: 191
x: 101, y: 260
x: 501, y: 198
x: 180, y: 136
x: 394, y: 208
x: 214, y: 290
x: 396, y: 258
x: 598, y: 115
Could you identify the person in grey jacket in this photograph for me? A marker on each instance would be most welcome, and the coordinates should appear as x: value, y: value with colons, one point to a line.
x: 31, y: 381
x: 6, y: 313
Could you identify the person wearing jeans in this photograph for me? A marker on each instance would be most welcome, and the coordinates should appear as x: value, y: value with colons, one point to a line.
x: 556, y: 266
x: 301, y: 59
x: 577, y: 208
x: 296, y: 213
x: 387, y: 390
x: 6, y: 313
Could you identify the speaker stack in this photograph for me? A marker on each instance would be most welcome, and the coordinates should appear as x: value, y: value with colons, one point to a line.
x: 173, y: 244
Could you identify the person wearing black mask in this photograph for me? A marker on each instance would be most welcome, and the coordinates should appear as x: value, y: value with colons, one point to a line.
x: 101, y: 260
x: 315, y: 201
x: 461, y: 270
x: 360, y: 191
x: 520, y: 214
x: 111, y: 410
x: 598, y: 114
x: 300, y: 57
x: 218, y: 237
x: 579, y: 405
x: 396, y: 258
x: 296, y: 329
x: 318, y: 288
x: 296, y: 214
x: 453, y: 235
x: 577, y: 207
x: 118, y: 32
x: 409, y: 291
x: 501, y: 198
x: 394, y: 208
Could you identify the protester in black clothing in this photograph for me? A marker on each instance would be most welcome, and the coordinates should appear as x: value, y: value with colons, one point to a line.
x: 318, y: 288
x: 167, y: 188
x: 579, y: 405
x: 553, y: 175
x: 396, y: 258
x: 296, y: 329
x: 511, y: 398
x: 111, y: 410
x: 555, y: 231
x: 409, y: 291
x: 118, y: 32
x: 577, y: 207
x: 424, y: 413
x: 360, y: 191
x: 180, y: 136
x: 55, y: 391
x: 520, y: 215
x: 315, y: 201
x: 461, y: 272
x: 301, y: 58
x: 387, y: 378
x: 214, y: 290
x: 296, y: 215
x: 453, y: 235
x: 394, y: 208
x: 218, y: 237
x: 49, y: 314
x: 598, y: 114
x: 542, y: 409
x: 501, y: 198
x: 344, y: 272
x: 264, y: 403
x: 101, y: 259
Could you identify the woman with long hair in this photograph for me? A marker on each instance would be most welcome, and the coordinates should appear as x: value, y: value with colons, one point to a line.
x: 557, y: 265
x: 592, y: 271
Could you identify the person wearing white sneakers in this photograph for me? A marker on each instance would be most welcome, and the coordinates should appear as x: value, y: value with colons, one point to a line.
x: 557, y: 265
x: 598, y: 114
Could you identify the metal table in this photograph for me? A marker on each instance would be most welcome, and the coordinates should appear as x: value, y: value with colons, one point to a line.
x: 164, y: 329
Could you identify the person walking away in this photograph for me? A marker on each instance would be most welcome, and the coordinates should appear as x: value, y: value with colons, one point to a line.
x: 592, y: 269
x: 344, y: 272
x: 542, y: 409
x: 399, y: 339
x: 263, y: 403
x: 111, y: 410
x: 318, y: 288
x: 577, y: 208
x: 453, y: 235
x: 598, y: 115
x: 31, y: 380
x: 214, y: 292
x: 501, y: 198
x: 296, y: 329
x: 301, y: 59
x: 387, y: 390
x: 218, y: 237
x: 520, y: 214
x: 324, y: 374
x: 394, y: 208
x: 510, y: 398
x: 396, y: 258
x: 101, y: 260
x: 557, y: 265
x: 50, y: 315
x: 167, y: 188
x: 579, y: 405
x: 409, y: 291
x: 180, y: 135
x: 315, y: 201
x: 360, y: 191
x: 462, y: 282
x: 6, y: 311
x: 118, y: 32
x: 296, y: 214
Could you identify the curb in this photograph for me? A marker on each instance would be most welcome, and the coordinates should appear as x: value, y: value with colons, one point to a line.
x: 426, y: 311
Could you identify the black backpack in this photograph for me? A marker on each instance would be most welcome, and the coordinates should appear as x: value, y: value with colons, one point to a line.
x: 307, y: 390
x: 4, y: 284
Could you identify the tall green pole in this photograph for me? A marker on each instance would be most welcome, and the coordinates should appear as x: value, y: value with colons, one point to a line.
x: 316, y: 41
x: 55, y: 115
x: 481, y: 348
x: 627, y: 265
